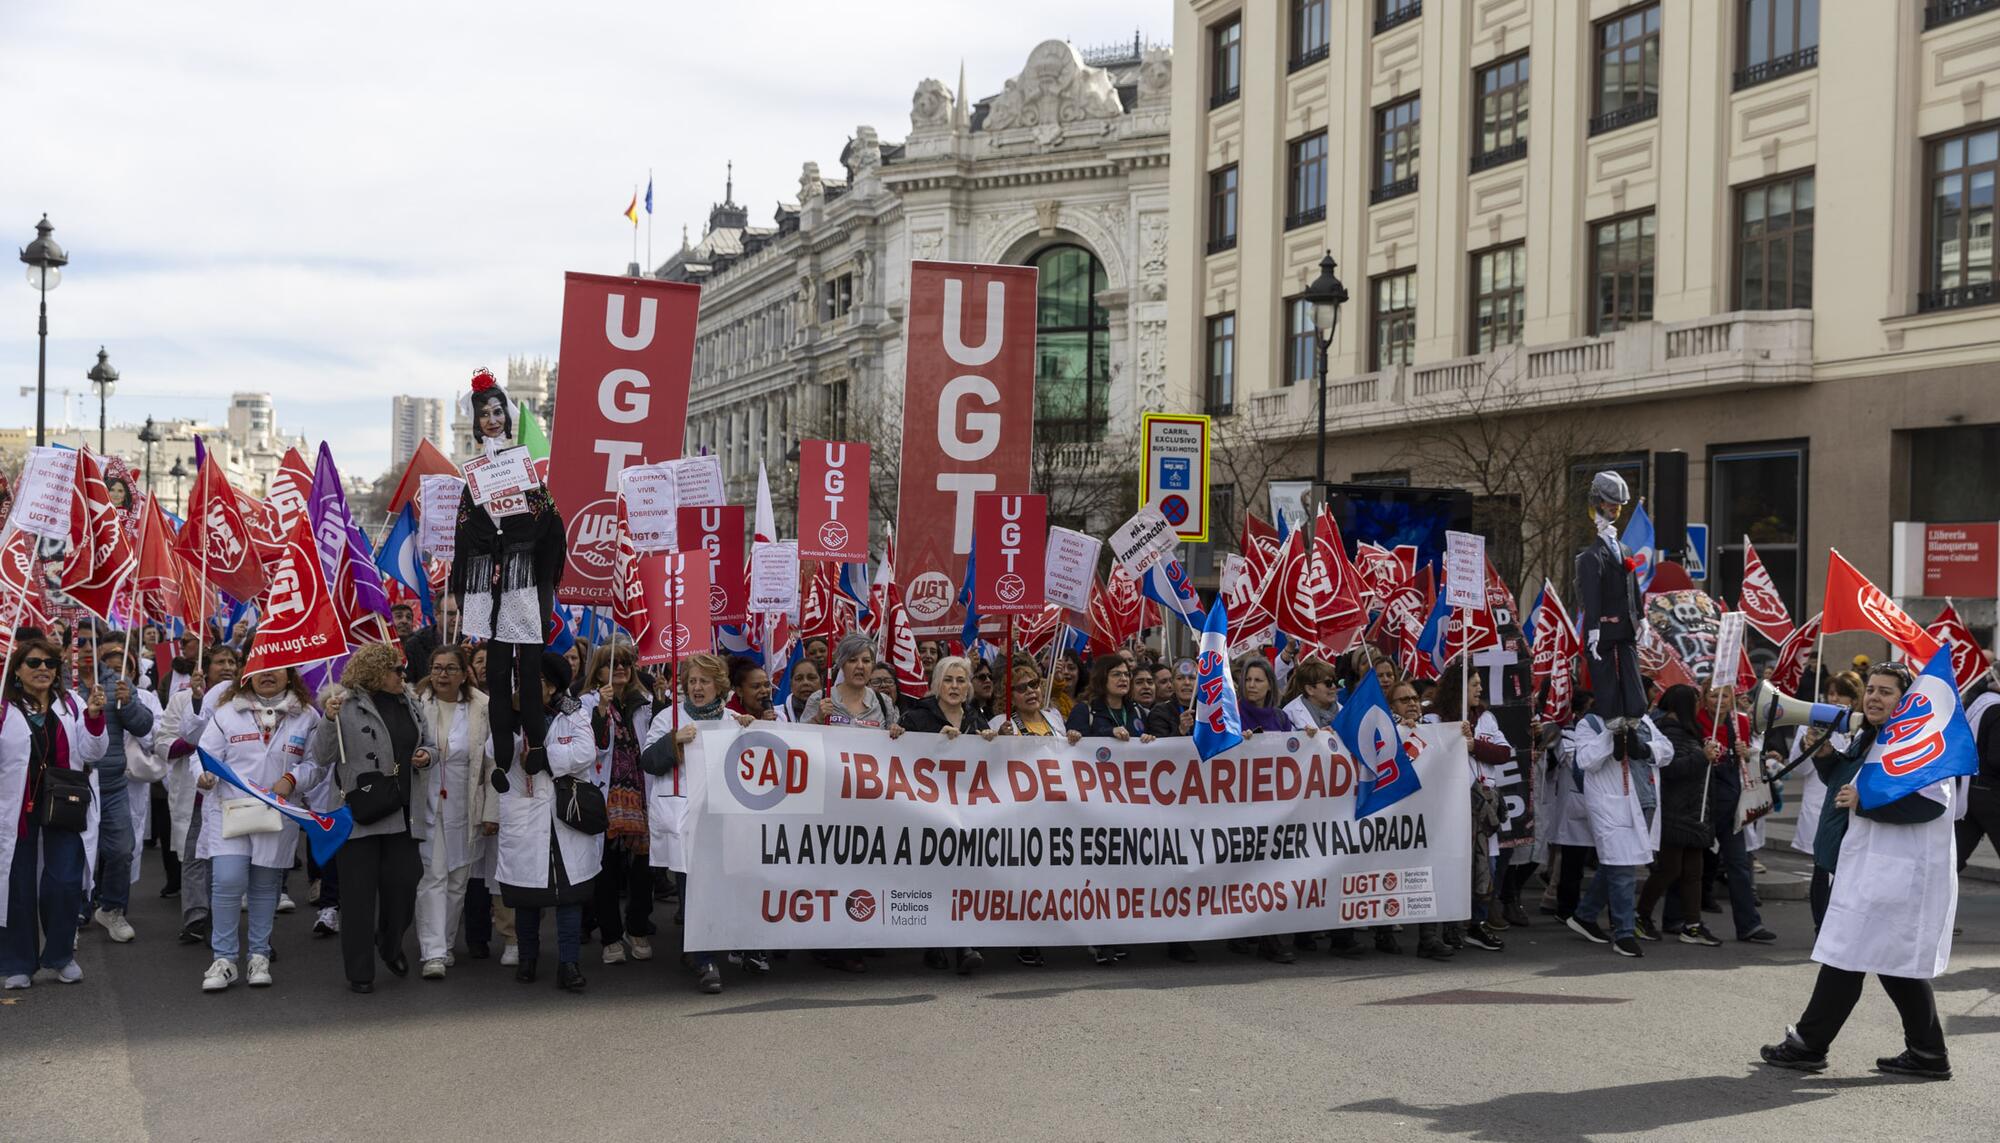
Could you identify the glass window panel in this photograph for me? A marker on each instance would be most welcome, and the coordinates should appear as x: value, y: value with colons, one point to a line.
x: 1983, y: 148
x: 1756, y: 29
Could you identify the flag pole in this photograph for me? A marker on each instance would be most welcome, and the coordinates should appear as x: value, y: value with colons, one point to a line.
x: 635, y: 227
x: 1010, y: 665
x: 647, y: 269
x: 673, y: 642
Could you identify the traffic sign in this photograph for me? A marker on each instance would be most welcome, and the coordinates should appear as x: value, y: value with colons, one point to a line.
x: 1173, y: 471
x: 1695, y: 559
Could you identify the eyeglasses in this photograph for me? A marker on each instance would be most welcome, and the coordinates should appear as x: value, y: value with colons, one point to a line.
x: 447, y: 669
x: 400, y: 669
x: 1118, y: 673
x: 1028, y: 686
x: 39, y: 662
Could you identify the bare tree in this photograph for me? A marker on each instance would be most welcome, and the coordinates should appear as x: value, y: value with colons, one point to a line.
x: 1249, y: 462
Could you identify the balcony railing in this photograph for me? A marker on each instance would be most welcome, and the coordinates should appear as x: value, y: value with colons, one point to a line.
x: 1224, y: 97
x: 1307, y: 217
x: 1625, y: 116
x: 1309, y: 58
x: 1938, y: 13
x: 1500, y: 156
x: 1397, y: 189
x: 1958, y: 297
x: 1397, y: 14
x: 1218, y: 245
x: 1801, y: 60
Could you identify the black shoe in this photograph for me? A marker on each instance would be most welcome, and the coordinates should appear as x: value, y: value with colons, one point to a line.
x: 478, y: 950
x: 936, y: 958
x: 1698, y: 935
x: 524, y: 973
x: 1708, y: 905
x: 1912, y: 1064
x: 1626, y: 946
x: 400, y: 966
x: 193, y: 935
x: 1101, y: 955
x: 1305, y: 942
x: 1762, y: 936
x: 1120, y: 952
x: 710, y: 980
x: 1032, y: 958
x: 170, y: 891
x: 968, y: 961
x: 1480, y: 937
x: 1182, y: 951
x: 1645, y: 930
x: 1790, y: 1053
x: 1341, y: 942
x: 569, y: 977
x: 1453, y: 936
x: 1274, y: 950
x: 1385, y: 942
x: 362, y: 986
x: 1434, y: 950
x: 1588, y: 930
x: 1515, y: 914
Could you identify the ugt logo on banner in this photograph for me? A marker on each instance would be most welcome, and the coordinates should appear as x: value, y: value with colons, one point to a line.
x: 627, y: 351
x: 833, y: 501
x: 1012, y: 533
x: 968, y: 416
x: 675, y: 585
x: 719, y: 532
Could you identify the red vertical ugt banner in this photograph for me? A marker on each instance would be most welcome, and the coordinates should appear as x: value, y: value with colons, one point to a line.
x: 1013, y: 534
x: 968, y: 421
x: 719, y: 532
x: 833, y: 501
x: 627, y: 351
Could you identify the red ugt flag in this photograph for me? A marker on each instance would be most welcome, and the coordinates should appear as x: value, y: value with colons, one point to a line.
x: 215, y: 540
x: 1790, y: 671
x: 300, y: 625
x: 1968, y: 659
x: 101, y: 553
x: 1855, y: 604
x: 1763, y: 608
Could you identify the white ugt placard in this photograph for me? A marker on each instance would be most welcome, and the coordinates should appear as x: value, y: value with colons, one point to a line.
x: 1728, y: 649
x: 1465, y: 570
x: 774, y: 578
x: 652, y: 505
x: 1141, y: 541
x: 1071, y: 567
x: 48, y: 487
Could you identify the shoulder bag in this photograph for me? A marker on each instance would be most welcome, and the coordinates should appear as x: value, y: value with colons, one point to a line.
x: 242, y: 817
x: 376, y: 793
x: 580, y: 805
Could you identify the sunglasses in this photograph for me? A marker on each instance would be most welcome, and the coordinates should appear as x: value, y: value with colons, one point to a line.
x: 1028, y: 686
x: 33, y: 662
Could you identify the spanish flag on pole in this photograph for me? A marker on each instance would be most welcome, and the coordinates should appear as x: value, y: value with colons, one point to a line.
x: 632, y: 210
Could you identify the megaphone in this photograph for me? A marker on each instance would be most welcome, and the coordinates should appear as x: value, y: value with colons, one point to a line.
x: 1770, y: 709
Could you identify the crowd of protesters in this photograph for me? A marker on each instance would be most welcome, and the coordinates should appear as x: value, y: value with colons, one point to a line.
x: 1630, y: 845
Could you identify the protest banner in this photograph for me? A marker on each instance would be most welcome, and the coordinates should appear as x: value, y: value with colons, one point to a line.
x: 814, y: 838
x: 500, y: 482
x: 627, y: 350
x: 675, y: 586
x: 652, y: 506
x: 43, y: 496
x: 968, y: 417
x: 698, y: 481
x: 1141, y: 541
x: 1465, y: 570
x: 1011, y: 531
x: 437, y: 515
x: 300, y: 625
x: 774, y: 577
x: 719, y: 532
x: 833, y: 501
x: 1070, y: 568
x: 1173, y: 471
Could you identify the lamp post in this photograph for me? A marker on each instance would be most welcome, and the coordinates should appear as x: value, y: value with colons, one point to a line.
x: 149, y: 436
x: 1327, y: 295
x: 105, y: 378
x: 179, y: 474
x: 45, y: 261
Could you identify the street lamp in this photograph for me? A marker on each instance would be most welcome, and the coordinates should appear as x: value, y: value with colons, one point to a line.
x: 179, y: 474
x: 149, y: 436
x: 45, y: 261
x: 1327, y: 295
x: 105, y: 378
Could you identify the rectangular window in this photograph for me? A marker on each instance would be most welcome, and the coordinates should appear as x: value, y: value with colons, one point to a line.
x: 1758, y: 491
x: 1309, y: 39
x: 1392, y: 333
x: 1305, y: 196
x: 1499, y: 296
x: 1628, y: 69
x: 1774, y: 244
x: 1775, y: 38
x: 1621, y: 272
x: 1960, y: 264
x: 1938, y: 13
x: 1225, y: 61
x: 1222, y: 209
x: 1955, y: 474
x: 1387, y: 478
x: 1390, y: 13
x: 1222, y: 364
x: 836, y: 399
x: 1301, y: 342
x: 1396, y: 130
x: 1501, y: 131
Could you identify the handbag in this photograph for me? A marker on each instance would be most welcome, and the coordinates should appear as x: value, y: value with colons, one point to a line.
x: 580, y: 805
x: 62, y: 799
x: 376, y: 795
x: 242, y: 817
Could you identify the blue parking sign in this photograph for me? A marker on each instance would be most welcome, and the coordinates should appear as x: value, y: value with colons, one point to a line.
x: 1176, y: 473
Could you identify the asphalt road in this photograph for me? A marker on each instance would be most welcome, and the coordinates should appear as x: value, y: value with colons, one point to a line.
x: 1551, y: 1040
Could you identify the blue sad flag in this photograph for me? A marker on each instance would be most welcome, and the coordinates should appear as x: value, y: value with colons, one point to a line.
x: 1218, y: 723
x: 1924, y: 742
x: 733, y: 641
x: 1368, y: 730
x: 324, y: 832
x: 1166, y: 583
x: 968, y: 636
x: 853, y: 585
x: 400, y: 560
x: 1534, y: 616
x: 1284, y: 536
x: 1639, y: 537
x: 1437, y: 627
x: 561, y: 638
x: 781, y: 689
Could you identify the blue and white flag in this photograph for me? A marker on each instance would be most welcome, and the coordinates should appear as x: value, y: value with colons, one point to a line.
x: 968, y: 636
x: 1368, y: 729
x: 1166, y: 583
x: 1435, y: 637
x: 1924, y: 742
x: 1218, y: 724
x: 1639, y: 537
x: 732, y: 640
x: 399, y: 558
x: 324, y: 832
x: 853, y: 585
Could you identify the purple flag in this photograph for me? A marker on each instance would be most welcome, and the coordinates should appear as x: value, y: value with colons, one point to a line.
x: 341, y: 543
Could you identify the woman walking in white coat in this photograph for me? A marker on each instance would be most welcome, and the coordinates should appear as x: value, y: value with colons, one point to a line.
x: 665, y: 748
x: 461, y: 811
x: 1625, y: 828
x: 48, y: 868
x: 1894, y: 897
x: 543, y: 862
x: 262, y: 728
x: 180, y: 726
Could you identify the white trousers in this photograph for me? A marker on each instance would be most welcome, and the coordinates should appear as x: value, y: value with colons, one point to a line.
x: 440, y: 903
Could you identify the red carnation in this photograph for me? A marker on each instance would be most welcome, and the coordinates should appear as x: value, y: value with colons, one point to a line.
x: 482, y: 381
x: 1632, y: 563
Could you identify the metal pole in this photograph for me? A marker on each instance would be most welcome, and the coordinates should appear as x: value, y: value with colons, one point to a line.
x: 100, y: 419
x: 1319, y: 470
x: 42, y: 369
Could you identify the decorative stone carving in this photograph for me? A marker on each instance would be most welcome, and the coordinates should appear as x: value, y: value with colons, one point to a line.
x: 866, y: 155
x: 930, y: 108
x: 1048, y: 215
x: 1156, y: 76
x: 1151, y: 357
x: 1056, y: 88
x: 810, y: 186
x: 926, y: 246
x: 1153, y: 255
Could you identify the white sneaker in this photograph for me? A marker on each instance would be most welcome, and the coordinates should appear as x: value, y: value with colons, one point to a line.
x: 70, y: 973
x: 641, y: 948
x: 219, y: 976
x: 285, y: 903
x: 114, y: 924
x: 17, y: 981
x: 328, y: 922
x: 511, y: 955
x: 260, y: 971
x: 450, y: 960
x: 433, y: 969
x: 614, y: 953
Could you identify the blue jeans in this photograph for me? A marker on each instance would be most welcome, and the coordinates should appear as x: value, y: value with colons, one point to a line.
x: 1617, y: 883
x: 114, y: 840
x: 46, y: 886
x: 232, y: 877
x: 569, y: 933
x: 1742, y: 882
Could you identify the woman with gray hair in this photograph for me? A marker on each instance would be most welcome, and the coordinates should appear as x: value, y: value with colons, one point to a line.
x: 375, y: 737
x: 848, y: 700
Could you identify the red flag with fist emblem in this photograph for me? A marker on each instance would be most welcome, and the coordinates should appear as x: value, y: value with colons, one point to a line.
x: 1763, y: 608
x: 216, y: 540
x: 299, y: 624
x: 1855, y: 604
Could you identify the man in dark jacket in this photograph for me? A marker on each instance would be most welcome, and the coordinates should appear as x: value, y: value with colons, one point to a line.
x: 419, y: 646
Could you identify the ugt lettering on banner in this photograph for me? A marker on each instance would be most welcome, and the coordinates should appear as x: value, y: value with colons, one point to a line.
x: 630, y: 342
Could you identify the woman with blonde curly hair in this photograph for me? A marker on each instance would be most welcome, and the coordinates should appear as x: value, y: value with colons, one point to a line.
x: 375, y: 733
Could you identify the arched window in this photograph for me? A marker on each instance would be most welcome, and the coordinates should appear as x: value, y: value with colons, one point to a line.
x: 1072, y: 347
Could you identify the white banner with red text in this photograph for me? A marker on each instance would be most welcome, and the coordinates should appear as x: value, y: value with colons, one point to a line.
x: 839, y: 837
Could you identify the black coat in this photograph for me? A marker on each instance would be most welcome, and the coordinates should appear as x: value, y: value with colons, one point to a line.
x: 1681, y: 821
x: 925, y: 717
x: 528, y: 550
x: 1095, y: 720
x: 1608, y: 593
x: 1164, y: 720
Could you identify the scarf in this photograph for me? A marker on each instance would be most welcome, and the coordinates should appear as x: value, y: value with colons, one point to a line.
x: 625, y: 801
x: 700, y: 712
x: 268, y: 712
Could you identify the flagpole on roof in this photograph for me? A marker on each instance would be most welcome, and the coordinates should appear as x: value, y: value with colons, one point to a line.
x: 647, y: 269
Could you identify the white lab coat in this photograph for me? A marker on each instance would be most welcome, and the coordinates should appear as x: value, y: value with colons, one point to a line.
x: 1895, y: 895
x: 528, y: 811
x: 85, y: 751
x: 1618, y: 823
x: 233, y: 736
x: 142, y: 770
x: 666, y: 800
x: 1812, y: 796
x: 180, y: 722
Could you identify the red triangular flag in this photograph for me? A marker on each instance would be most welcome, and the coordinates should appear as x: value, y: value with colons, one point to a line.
x: 1789, y: 673
x: 299, y: 625
x: 101, y: 554
x: 165, y: 589
x: 628, y: 591
x: 1763, y: 608
x: 1297, y: 593
x: 1855, y: 604
x: 1968, y: 659
x: 1338, y: 606
x: 426, y: 461
x: 216, y: 540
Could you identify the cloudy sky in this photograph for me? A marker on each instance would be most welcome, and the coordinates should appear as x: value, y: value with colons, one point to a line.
x: 336, y: 203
